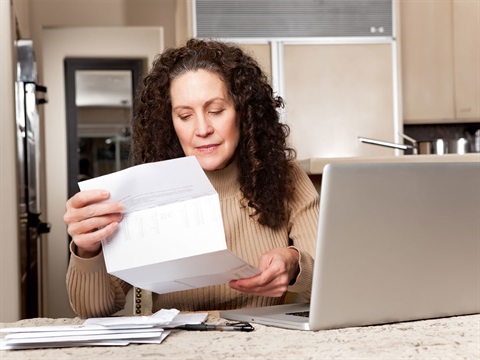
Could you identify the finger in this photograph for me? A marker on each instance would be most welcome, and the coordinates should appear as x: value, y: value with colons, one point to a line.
x: 260, y: 280
x: 271, y: 289
x: 91, y: 240
x: 268, y: 283
x: 91, y: 211
x: 259, y: 283
x: 92, y: 224
x: 87, y: 197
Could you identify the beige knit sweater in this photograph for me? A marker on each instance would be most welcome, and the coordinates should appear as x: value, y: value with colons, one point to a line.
x: 93, y: 292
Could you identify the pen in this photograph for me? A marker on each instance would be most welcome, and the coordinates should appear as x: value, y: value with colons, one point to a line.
x: 205, y: 327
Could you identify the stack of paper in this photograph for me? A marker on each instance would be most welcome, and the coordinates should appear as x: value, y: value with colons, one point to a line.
x: 112, y: 331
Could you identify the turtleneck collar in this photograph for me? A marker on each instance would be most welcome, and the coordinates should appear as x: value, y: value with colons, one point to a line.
x: 225, y: 180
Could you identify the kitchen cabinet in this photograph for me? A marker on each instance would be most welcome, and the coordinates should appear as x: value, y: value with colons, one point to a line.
x: 440, y: 45
x: 337, y: 92
x: 466, y: 46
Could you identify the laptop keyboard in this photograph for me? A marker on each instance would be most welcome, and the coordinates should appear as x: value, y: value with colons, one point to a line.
x: 300, y: 313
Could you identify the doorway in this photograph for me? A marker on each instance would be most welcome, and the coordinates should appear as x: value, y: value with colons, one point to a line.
x: 99, y: 107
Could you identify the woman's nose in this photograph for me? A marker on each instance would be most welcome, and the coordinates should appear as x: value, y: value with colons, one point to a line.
x: 203, y: 127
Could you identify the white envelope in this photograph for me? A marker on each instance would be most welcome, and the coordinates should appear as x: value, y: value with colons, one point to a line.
x: 171, y: 237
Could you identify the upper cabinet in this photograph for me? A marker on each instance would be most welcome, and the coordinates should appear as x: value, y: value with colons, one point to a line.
x: 335, y: 93
x: 466, y: 47
x: 440, y: 46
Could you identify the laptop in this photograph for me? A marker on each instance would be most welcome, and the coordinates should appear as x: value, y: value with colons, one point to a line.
x: 396, y: 242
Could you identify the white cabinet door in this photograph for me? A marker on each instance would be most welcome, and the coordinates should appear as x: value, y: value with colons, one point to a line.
x: 440, y: 47
x: 335, y: 93
x: 466, y: 41
x: 427, y: 61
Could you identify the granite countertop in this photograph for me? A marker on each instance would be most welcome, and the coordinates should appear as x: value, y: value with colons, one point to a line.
x: 444, y: 338
x: 314, y: 166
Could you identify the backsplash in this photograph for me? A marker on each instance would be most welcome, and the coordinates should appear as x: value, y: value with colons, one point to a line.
x: 446, y: 132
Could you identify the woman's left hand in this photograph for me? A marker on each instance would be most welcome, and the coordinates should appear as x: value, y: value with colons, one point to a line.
x: 278, y: 267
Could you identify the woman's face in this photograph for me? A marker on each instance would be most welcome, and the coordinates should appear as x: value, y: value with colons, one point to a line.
x: 204, y: 118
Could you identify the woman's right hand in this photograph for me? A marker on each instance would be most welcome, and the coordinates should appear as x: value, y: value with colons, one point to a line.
x: 89, y: 220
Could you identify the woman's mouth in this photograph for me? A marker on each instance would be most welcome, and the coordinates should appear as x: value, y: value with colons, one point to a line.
x: 207, y: 148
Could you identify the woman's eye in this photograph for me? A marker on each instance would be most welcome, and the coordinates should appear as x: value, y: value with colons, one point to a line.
x: 216, y: 112
x: 184, y: 117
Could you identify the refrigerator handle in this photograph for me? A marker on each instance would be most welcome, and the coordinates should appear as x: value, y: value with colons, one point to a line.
x: 44, y: 228
x: 41, y: 89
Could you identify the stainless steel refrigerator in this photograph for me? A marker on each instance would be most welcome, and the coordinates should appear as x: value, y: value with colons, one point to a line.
x: 28, y: 96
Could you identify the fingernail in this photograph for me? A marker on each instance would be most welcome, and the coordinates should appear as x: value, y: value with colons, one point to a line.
x: 105, y: 193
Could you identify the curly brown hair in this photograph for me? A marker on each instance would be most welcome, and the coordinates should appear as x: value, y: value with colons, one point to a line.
x: 263, y: 156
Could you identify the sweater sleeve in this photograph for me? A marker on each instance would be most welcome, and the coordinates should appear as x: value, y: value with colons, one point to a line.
x: 91, y: 290
x: 303, y: 224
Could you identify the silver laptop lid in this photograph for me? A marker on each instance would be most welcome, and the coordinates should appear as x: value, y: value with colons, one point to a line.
x: 396, y: 242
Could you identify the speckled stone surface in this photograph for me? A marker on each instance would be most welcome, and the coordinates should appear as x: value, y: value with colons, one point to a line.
x: 446, y: 338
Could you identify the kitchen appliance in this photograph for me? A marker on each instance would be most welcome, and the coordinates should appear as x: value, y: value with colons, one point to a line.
x: 28, y: 96
x: 476, y: 144
x: 437, y: 147
x: 458, y: 146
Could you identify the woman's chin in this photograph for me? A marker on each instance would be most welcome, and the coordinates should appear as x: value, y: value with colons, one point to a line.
x: 211, y: 164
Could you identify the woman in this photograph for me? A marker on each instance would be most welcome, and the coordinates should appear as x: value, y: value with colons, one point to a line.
x: 211, y: 100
